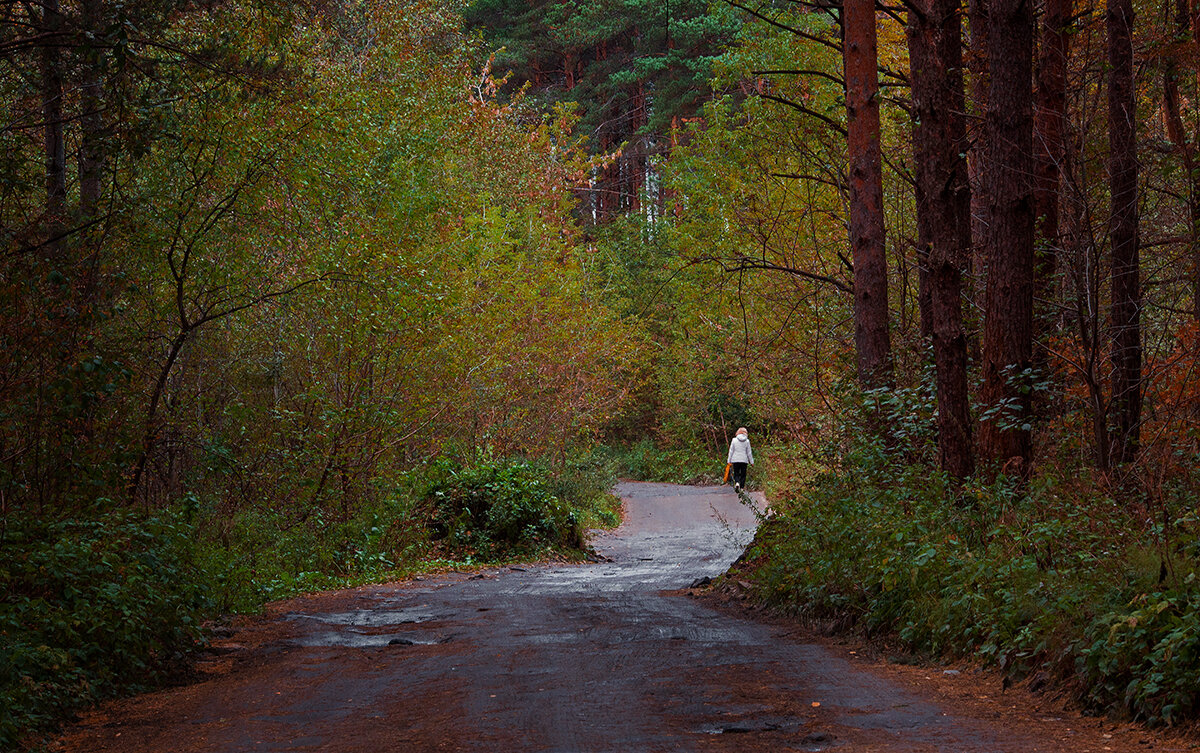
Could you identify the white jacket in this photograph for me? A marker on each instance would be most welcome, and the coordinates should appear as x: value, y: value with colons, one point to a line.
x: 739, y: 450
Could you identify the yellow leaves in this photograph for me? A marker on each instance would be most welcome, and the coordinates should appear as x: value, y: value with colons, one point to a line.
x: 892, y: 44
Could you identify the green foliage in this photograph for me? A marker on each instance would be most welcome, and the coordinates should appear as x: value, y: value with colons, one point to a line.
x: 584, y: 480
x: 692, y: 389
x: 1042, y: 579
x: 1145, y: 655
x: 261, y: 554
x: 601, y: 54
x: 644, y: 460
x: 91, y: 608
x: 495, y: 509
x: 748, y: 332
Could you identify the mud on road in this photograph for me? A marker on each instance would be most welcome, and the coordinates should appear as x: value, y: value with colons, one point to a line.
x: 599, y: 658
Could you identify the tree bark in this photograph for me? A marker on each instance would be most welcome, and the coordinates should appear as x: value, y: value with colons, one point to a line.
x: 1049, y: 147
x: 52, y: 111
x: 977, y: 64
x: 1008, y: 170
x: 867, y: 241
x: 1126, y: 279
x: 92, y: 132
x: 943, y: 209
x: 1184, y: 144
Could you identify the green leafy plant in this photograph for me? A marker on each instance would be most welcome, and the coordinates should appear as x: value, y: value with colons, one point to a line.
x: 1040, y: 580
x: 91, y: 608
x: 500, y: 508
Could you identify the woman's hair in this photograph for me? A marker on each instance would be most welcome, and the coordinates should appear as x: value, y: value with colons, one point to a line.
x: 742, y: 430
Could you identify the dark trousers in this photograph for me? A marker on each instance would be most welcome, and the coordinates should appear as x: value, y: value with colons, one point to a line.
x: 739, y: 474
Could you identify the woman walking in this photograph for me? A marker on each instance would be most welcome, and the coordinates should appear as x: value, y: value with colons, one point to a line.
x: 740, y: 457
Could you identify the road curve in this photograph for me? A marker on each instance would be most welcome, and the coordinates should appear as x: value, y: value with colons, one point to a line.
x: 594, y: 658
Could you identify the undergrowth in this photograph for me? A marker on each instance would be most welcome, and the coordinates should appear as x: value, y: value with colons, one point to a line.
x: 112, y: 602
x: 684, y: 464
x: 91, y: 609
x: 1054, y: 580
x: 496, y: 509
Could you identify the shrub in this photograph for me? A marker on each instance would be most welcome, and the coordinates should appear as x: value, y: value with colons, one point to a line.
x: 1051, y: 579
x: 1146, y: 656
x: 90, y: 609
x: 261, y: 554
x: 499, y: 508
x: 97, y: 607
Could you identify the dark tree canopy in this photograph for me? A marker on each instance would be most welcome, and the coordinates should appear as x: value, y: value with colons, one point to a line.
x: 635, y: 70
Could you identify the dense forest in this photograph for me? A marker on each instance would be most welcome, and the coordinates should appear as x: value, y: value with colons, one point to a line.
x: 306, y: 294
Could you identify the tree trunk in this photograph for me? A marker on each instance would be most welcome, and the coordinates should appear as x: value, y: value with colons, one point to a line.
x: 871, y: 336
x: 943, y: 210
x: 1049, y: 148
x: 1126, y: 282
x: 1008, y: 170
x: 52, y: 111
x: 977, y: 64
x: 1184, y: 145
x: 92, y: 135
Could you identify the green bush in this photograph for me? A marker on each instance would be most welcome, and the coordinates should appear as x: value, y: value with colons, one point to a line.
x: 500, y: 508
x: 1042, y: 580
x: 111, y: 605
x: 1146, y: 656
x: 90, y: 609
x: 585, y: 481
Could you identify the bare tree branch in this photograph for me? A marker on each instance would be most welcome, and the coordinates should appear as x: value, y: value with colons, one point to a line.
x: 813, y: 113
x: 791, y: 29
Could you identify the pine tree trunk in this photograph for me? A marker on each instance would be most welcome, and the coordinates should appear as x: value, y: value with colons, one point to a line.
x: 1185, y: 146
x: 943, y: 210
x: 1008, y: 327
x: 867, y: 240
x: 977, y: 64
x: 1048, y: 143
x: 1126, y: 277
x: 52, y: 111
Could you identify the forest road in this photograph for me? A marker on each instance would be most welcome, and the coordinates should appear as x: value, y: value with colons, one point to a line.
x: 565, y: 658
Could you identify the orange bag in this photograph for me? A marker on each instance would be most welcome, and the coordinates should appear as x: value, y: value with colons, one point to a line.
x: 726, y: 479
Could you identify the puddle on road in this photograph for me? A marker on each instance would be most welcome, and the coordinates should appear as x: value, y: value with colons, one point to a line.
x: 771, y: 724
x: 369, y: 618
x: 813, y: 742
x: 367, y: 628
x: 354, y: 639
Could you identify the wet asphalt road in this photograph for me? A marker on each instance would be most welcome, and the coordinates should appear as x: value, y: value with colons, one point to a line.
x: 596, y: 658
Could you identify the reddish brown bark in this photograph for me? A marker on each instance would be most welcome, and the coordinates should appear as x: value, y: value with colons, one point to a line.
x: 943, y: 210
x: 1126, y: 277
x: 977, y: 64
x: 1049, y: 147
x: 871, y: 338
x: 638, y: 157
x: 1185, y: 21
x: 1008, y: 169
